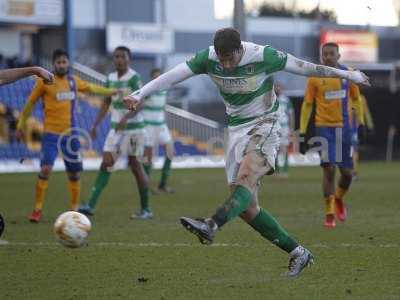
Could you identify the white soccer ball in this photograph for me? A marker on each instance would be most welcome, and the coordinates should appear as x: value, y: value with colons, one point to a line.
x: 72, y: 229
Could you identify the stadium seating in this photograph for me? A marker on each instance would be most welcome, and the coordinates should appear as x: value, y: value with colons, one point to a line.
x: 14, y: 96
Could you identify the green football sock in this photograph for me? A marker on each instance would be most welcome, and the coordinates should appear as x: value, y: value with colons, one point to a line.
x: 101, y: 182
x: 269, y: 228
x: 237, y: 203
x: 285, y: 168
x: 165, y: 172
x: 144, y: 198
x: 277, y: 168
x: 147, y: 169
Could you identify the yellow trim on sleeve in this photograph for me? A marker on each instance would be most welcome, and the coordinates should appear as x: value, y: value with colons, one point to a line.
x: 306, y: 110
x: 25, y: 114
x: 100, y: 90
x: 359, y: 110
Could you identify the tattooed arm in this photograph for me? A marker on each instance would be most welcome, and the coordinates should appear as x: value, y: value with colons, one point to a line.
x: 301, y: 67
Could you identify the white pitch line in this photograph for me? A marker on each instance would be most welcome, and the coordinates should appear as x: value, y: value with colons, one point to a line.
x: 121, y: 244
x: 187, y: 245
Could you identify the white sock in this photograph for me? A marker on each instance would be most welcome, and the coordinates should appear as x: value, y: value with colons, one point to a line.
x: 212, y: 222
x: 299, y: 250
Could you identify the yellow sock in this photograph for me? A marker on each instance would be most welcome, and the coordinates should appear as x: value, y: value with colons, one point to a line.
x: 340, y: 192
x: 330, y: 205
x: 74, y: 190
x: 41, y: 188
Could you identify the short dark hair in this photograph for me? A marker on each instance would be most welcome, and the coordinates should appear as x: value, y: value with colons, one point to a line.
x: 331, y: 44
x: 154, y: 71
x: 58, y: 53
x: 125, y: 49
x: 227, y: 40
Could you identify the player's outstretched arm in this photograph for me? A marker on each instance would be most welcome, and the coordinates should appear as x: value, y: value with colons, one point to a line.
x: 11, y: 75
x: 101, y: 90
x: 163, y: 82
x: 36, y: 93
x: 301, y: 67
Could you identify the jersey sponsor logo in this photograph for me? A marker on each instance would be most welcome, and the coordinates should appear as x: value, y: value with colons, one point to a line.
x: 65, y: 96
x: 333, y: 95
x: 235, y: 84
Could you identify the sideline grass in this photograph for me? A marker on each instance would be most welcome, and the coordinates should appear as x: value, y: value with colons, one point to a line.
x: 158, y: 259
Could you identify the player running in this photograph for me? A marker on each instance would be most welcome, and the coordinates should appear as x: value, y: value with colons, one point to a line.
x: 157, y: 134
x: 126, y: 136
x: 59, y: 105
x: 243, y: 73
x: 334, y: 99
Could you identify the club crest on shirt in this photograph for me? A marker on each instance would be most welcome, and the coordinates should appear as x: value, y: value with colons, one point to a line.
x: 250, y: 69
x: 218, y: 68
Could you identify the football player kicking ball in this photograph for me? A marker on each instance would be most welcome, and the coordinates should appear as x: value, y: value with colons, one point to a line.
x: 243, y: 73
x: 126, y: 136
x: 157, y: 133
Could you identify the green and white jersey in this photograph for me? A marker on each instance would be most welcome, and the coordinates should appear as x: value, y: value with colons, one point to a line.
x: 247, y: 90
x: 154, y: 108
x: 126, y: 84
x: 285, y: 109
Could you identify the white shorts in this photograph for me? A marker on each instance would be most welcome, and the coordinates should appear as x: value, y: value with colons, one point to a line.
x: 239, y: 138
x: 125, y: 142
x: 157, y: 135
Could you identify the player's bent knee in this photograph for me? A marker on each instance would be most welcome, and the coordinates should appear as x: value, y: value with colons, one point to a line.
x: 133, y: 162
x: 329, y: 171
x: 105, y: 166
x: 329, y: 168
x: 74, y: 176
x: 45, y: 172
x: 252, y: 168
x: 107, y: 163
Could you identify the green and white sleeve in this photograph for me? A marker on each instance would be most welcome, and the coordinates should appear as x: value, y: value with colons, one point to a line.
x: 165, y: 81
x: 274, y: 60
x: 198, y: 63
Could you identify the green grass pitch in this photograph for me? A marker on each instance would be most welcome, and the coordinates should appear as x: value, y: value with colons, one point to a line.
x: 158, y: 259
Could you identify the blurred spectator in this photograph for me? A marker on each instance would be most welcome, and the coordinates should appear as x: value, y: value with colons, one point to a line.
x: 8, y: 124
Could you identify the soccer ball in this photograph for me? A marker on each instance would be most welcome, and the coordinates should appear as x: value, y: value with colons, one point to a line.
x: 72, y: 229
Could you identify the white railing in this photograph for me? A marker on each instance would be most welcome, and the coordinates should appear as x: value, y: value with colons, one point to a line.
x: 183, y: 122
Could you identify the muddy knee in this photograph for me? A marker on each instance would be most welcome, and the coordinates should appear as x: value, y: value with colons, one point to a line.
x: 252, y: 168
x: 45, y: 172
x: 107, y: 163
